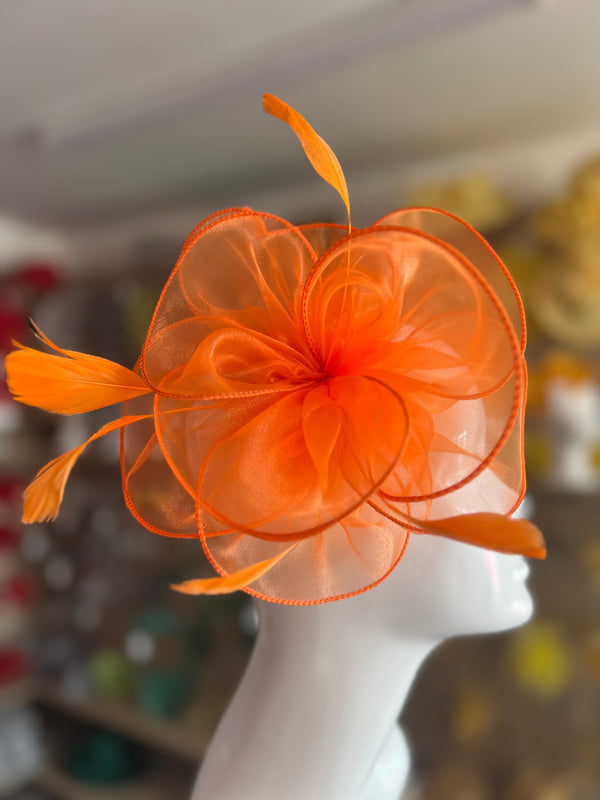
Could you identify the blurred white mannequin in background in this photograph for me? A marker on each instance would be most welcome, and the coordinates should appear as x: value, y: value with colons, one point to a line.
x: 315, y: 715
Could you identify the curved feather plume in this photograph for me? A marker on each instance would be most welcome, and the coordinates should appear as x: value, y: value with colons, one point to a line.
x: 69, y: 383
x: 318, y: 152
x: 226, y: 584
x: 493, y: 531
x: 43, y: 496
x: 497, y: 532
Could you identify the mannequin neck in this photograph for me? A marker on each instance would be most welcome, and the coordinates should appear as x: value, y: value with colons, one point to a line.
x: 319, y: 701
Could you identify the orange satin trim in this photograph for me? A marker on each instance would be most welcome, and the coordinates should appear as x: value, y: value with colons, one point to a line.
x: 308, y: 396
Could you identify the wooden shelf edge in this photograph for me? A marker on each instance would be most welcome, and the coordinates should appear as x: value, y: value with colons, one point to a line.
x: 156, y: 786
x: 167, y: 736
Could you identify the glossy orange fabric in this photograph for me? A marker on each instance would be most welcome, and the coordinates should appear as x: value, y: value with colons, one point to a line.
x: 307, y: 385
x: 308, y: 396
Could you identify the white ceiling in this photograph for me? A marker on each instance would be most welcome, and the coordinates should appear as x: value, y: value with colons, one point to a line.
x: 122, y: 107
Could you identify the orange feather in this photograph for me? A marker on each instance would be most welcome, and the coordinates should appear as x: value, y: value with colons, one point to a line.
x: 69, y: 383
x: 318, y: 152
x: 43, y: 496
x: 230, y: 583
x: 492, y: 531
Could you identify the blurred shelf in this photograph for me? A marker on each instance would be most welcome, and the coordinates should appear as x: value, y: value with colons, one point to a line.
x: 157, y: 786
x: 9, y: 787
x: 17, y: 694
x: 170, y: 737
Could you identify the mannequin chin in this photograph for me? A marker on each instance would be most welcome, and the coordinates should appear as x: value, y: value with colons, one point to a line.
x: 315, y: 716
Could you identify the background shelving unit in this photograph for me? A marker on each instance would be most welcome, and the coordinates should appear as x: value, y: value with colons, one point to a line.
x: 102, y: 580
x: 155, y: 786
x: 170, y: 737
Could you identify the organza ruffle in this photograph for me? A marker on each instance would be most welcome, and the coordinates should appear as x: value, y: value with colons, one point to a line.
x: 310, y: 387
x: 308, y: 396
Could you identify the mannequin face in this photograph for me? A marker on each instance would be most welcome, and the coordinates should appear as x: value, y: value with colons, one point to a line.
x: 440, y: 588
x: 443, y: 588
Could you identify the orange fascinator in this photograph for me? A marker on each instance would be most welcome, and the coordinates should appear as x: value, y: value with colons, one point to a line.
x: 307, y: 397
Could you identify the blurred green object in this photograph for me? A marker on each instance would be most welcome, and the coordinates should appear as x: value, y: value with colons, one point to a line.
x: 162, y: 692
x: 111, y: 674
x: 105, y: 758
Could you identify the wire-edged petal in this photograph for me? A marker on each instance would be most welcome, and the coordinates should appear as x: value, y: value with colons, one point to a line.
x: 241, y: 273
x: 266, y: 472
x: 152, y: 492
x: 350, y: 557
x: 411, y: 310
x: 456, y: 232
x: 262, y: 465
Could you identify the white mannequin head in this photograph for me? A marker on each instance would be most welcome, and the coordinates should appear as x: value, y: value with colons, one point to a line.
x: 341, y: 672
x: 440, y: 588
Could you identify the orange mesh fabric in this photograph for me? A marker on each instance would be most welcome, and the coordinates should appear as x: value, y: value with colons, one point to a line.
x: 299, y: 374
x: 308, y: 396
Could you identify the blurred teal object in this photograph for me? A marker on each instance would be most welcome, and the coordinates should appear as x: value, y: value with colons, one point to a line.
x: 105, y: 758
x: 111, y: 674
x: 160, y: 622
x: 162, y: 692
